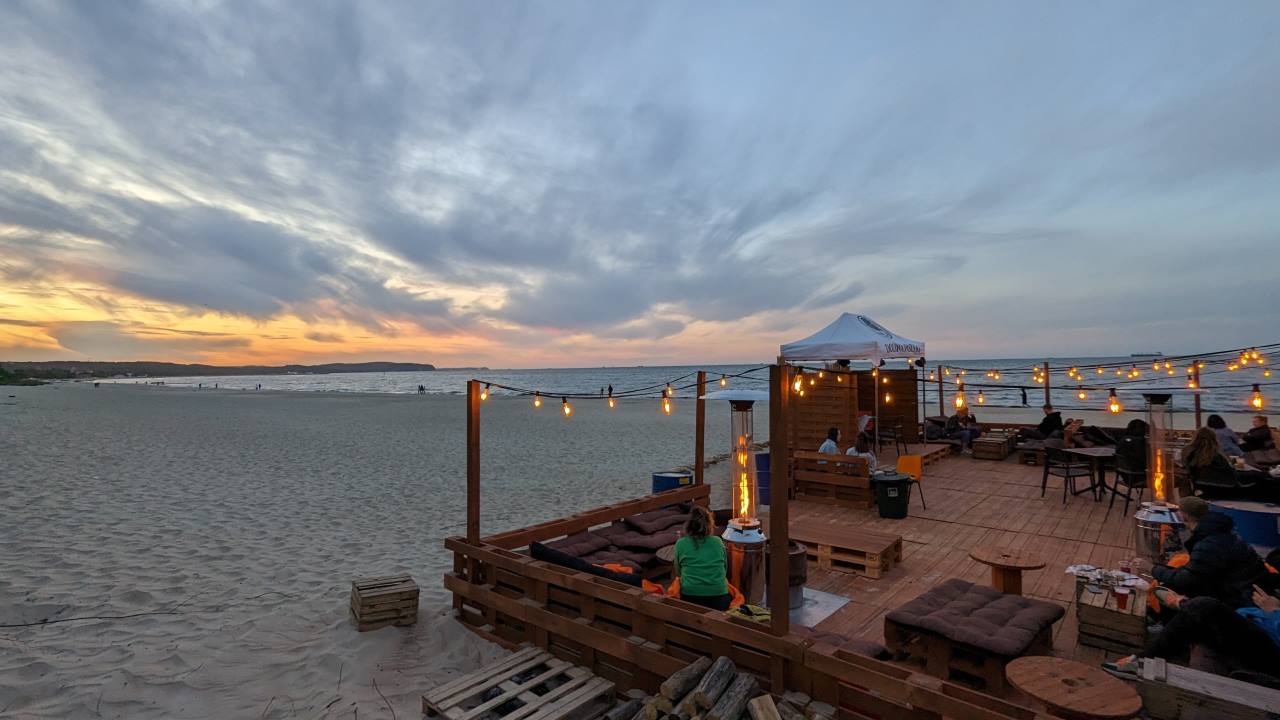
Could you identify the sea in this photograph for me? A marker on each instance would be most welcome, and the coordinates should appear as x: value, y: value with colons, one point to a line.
x: 1222, y: 391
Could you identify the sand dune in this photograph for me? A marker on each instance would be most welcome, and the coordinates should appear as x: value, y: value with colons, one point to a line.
x: 243, y: 517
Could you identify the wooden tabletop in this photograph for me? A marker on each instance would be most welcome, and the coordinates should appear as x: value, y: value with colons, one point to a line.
x: 1006, y: 558
x: 1095, y: 452
x: 1073, y: 689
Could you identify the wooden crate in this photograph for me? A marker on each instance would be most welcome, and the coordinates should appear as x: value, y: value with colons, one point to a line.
x: 990, y: 448
x: 1172, y: 692
x: 381, y: 601
x: 530, y: 684
x: 849, y: 549
x: 934, y: 452
x: 1103, y: 625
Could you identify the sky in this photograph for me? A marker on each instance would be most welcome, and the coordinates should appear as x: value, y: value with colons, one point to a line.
x: 574, y: 184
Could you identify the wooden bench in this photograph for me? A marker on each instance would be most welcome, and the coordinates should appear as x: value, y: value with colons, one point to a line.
x: 849, y: 549
x: 1173, y: 692
x: 530, y: 684
x: 842, y: 479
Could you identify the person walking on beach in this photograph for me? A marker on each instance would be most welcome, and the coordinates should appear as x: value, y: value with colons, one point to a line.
x: 701, y: 564
x: 1024, y: 396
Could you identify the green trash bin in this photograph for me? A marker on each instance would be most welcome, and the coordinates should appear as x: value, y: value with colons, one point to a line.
x: 893, y: 489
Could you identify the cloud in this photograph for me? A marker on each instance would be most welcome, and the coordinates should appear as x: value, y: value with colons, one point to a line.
x: 620, y: 171
x: 93, y: 340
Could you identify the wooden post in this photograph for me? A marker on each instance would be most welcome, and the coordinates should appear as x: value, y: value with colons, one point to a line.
x: 780, y: 484
x: 700, y: 429
x: 1195, y: 375
x: 942, y: 410
x: 473, y: 461
x: 1046, y: 383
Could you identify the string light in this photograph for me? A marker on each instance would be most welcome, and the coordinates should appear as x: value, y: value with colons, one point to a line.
x: 1191, y: 383
x: 888, y: 398
x: 670, y: 390
x: 932, y: 376
x: 724, y: 381
x: 822, y: 374
x: 946, y: 371
x: 1168, y: 365
x: 959, y: 395
x: 995, y: 375
x: 798, y: 384
x: 666, y: 406
x: 1113, y: 404
x: 1256, y: 401
x: 537, y: 400
x: 982, y: 400
x: 565, y: 407
x: 1081, y: 394
x: 1266, y: 373
x: 484, y: 394
x: 884, y: 380
x: 1155, y: 366
x: 839, y: 377
x: 1099, y: 371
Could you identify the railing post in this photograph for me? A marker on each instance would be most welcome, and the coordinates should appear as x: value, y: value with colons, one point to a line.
x: 1195, y: 375
x: 700, y: 429
x: 473, y: 461
x: 942, y: 409
x: 779, y: 494
x: 1046, y: 383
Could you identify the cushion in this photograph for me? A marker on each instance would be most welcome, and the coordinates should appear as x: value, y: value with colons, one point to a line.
x: 632, y: 540
x: 583, y: 543
x: 657, y: 520
x: 538, y: 551
x: 635, y: 561
x: 979, y: 616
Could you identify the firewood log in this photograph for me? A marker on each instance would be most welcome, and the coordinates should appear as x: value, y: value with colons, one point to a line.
x: 625, y: 711
x: 762, y: 708
x: 734, y: 699
x: 683, y: 680
x: 789, y: 711
x: 714, y: 682
x: 651, y: 711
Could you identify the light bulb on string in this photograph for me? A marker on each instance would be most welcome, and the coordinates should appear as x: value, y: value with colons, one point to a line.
x: 666, y: 405
x: 995, y: 375
x: 812, y: 381
x: 884, y: 380
x: 839, y: 377
x: 537, y: 400
x: 946, y: 371
x: 1170, y: 372
x: 1113, y: 404
x: 1191, y: 383
x: 1266, y: 373
x: 1200, y: 364
x: 724, y: 381
x: 959, y: 395
x: 1256, y: 401
x: 982, y: 399
x: 484, y: 393
x: 932, y: 376
x: 822, y: 374
x: 1081, y: 394
x: 1168, y: 365
x: 1232, y: 367
x: 565, y: 407
x: 670, y: 390
x: 1155, y: 366
x: 798, y: 384
x: 1099, y: 371
x: 888, y: 398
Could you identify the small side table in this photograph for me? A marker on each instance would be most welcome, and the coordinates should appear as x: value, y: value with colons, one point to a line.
x: 1073, y: 690
x: 1007, y: 566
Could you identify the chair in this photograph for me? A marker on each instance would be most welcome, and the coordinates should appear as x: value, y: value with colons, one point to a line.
x: 1132, y: 476
x: 913, y: 467
x: 892, y: 433
x: 1060, y: 463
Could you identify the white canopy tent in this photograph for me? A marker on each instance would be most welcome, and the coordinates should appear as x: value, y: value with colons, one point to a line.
x: 853, y: 337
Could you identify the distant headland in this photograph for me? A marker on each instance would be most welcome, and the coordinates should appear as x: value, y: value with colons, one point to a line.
x: 70, y: 369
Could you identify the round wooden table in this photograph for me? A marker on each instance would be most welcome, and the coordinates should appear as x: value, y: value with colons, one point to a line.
x: 1074, y: 690
x: 1007, y: 566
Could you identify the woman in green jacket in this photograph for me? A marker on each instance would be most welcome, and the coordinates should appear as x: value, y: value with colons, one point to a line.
x: 701, y: 562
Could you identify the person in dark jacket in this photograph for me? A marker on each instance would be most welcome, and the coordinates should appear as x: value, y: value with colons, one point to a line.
x: 1222, y: 564
x: 1257, y: 437
x: 1051, y: 424
x: 1131, y: 448
x: 963, y: 426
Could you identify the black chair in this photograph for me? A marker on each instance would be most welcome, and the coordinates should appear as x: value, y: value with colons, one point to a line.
x: 1133, y: 476
x: 1060, y: 463
x: 1219, y: 483
x: 893, y: 435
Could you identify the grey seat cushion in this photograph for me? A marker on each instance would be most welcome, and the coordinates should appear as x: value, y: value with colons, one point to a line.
x: 579, y: 544
x: 656, y: 521
x: 621, y: 535
x: 979, y: 616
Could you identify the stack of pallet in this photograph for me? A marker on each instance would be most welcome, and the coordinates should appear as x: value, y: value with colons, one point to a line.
x: 381, y: 601
x: 530, y: 684
x: 706, y: 690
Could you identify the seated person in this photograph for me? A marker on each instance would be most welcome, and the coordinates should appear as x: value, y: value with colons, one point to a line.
x: 862, y: 448
x: 1228, y: 441
x: 1204, y: 460
x: 831, y: 445
x: 1257, y: 437
x: 1248, y: 638
x: 1051, y: 424
x: 701, y: 563
x: 963, y: 426
x: 1131, y: 448
x: 1222, y: 565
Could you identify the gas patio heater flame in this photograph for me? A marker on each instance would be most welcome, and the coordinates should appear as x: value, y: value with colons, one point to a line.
x: 744, y: 489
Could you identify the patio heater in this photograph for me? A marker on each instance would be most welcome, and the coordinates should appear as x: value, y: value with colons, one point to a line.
x: 744, y: 537
x: 1159, y: 523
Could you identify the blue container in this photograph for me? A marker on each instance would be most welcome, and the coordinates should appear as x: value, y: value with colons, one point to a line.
x: 1258, y: 523
x: 665, y: 481
x: 762, y: 478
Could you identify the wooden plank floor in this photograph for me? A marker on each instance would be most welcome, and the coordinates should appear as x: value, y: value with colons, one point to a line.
x: 974, y: 502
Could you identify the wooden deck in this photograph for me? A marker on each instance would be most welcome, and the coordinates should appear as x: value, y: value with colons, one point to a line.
x: 975, y: 502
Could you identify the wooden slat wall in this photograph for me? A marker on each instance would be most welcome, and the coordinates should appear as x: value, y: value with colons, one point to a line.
x: 904, y: 406
x: 826, y: 404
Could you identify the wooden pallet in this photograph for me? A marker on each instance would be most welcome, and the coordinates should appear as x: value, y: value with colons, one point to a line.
x: 1172, y: 692
x: 849, y: 549
x: 530, y: 684
x: 1103, y: 625
x: 381, y: 601
x: 934, y: 452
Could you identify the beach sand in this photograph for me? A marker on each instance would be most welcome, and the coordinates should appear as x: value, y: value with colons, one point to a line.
x: 244, y: 517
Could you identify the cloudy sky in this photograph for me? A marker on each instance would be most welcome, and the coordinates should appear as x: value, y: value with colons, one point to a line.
x: 582, y: 183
